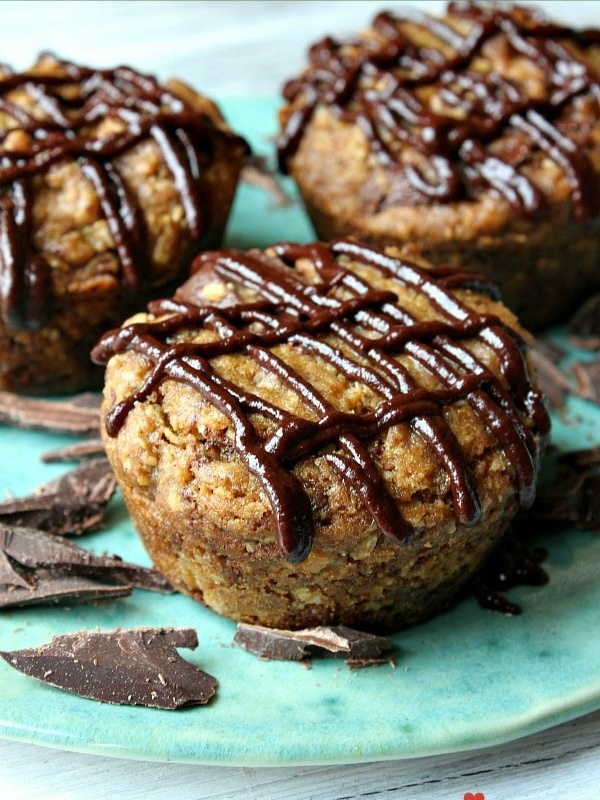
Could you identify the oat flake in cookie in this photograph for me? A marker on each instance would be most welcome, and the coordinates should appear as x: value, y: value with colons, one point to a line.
x: 474, y: 137
x: 109, y: 183
x: 322, y: 434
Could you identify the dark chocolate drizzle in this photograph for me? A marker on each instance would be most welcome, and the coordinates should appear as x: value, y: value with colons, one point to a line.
x: 307, y: 316
x: 515, y: 562
x: 73, y: 103
x: 491, y: 127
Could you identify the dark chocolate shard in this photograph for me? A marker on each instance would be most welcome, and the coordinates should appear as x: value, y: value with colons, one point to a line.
x: 74, y: 503
x: 585, y: 322
x: 80, y: 451
x: 549, y: 349
x: 256, y: 173
x: 79, y: 415
x: 12, y: 575
x: 336, y: 641
x: 561, y: 502
x: 549, y: 377
x: 587, y: 376
x: 585, y: 342
x: 137, y: 666
x: 33, y: 549
x: 50, y: 587
x: 589, y: 505
x: 572, y: 496
x: 575, y: 501
x: 581, y: 459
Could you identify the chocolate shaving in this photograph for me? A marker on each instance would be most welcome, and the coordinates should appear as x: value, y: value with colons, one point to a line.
x: 51, y: 587
x: 580, y: 459
x: 78, y: 415
x: 34, y: 549
x: 37, y: 566
x: 74, y: 503
x: 585, y: 323
x: 587, y: 375
x: 12, y: 575
x: 581, y: 378
x: 256, y: 173
x: 572, y: 496
x: 585, y: 342
x: 574, y: 500
x: 585, y: 334
x: 357, y: 647
x: 139, y: 666
x: 80, y: 451
x: 549, y: 377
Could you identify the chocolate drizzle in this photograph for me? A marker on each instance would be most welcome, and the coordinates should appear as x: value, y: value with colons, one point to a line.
x: 74, y: 100
x: 373, y: 330
x: 465, y: 128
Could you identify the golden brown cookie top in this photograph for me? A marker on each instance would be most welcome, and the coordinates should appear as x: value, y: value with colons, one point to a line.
x: 317, y: 351
x: 88, y: 140
x: 489, y: 96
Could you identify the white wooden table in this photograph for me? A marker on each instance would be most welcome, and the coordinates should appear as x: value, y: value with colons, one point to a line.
x: 204, y: 42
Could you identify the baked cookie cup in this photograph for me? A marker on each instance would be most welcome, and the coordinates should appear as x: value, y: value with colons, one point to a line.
x: 472, y: 137
x: 322, y: 433
x: 109, y: 184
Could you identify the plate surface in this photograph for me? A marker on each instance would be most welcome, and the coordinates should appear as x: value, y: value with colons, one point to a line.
x: 467, y: 679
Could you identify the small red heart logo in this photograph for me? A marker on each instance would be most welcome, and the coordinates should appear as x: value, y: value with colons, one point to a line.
x: 476, y: 796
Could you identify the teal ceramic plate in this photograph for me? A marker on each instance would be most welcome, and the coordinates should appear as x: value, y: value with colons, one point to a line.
x: 466, y: 679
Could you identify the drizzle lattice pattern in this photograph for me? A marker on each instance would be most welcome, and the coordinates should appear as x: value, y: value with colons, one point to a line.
x: 372, y: 329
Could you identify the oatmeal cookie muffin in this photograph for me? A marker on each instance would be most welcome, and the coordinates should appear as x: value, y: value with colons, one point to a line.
x: 475, y: 136
x: 109, y: 184
x: 322, y: 433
